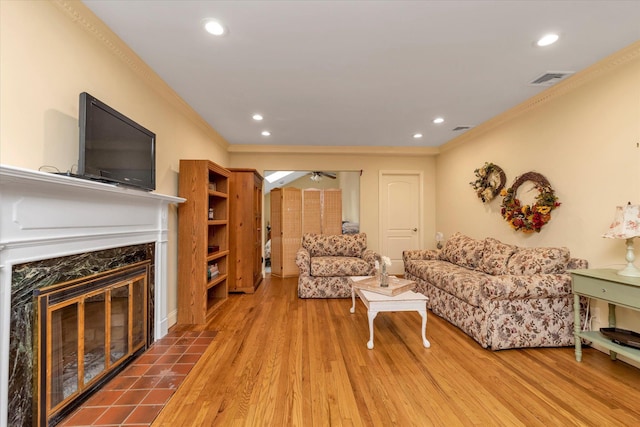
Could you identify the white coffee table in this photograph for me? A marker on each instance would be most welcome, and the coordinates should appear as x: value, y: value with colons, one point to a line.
x: 376, y: 303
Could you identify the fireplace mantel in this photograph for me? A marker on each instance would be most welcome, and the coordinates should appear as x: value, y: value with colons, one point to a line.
x: 44, y: 215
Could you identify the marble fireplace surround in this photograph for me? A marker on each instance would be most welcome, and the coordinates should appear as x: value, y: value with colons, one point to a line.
x: 45, y: 216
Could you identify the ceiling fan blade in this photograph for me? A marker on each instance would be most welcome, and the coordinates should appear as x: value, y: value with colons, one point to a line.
x: 328, y: 174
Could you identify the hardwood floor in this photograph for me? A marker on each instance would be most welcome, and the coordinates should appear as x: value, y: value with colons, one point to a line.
x: 282, y: 361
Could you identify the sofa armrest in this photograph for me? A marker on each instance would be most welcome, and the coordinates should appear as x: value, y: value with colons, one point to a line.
x: 527, y: 286
x: 577, y: 263
x: 303, y: 261
x: 420, y: 254
x: 370, y: 256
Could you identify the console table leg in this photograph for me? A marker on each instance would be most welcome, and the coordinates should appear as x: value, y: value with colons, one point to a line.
x: 612, y: 324
x: 372, y: 315
x: 576, y: 326
x: 425, y: 341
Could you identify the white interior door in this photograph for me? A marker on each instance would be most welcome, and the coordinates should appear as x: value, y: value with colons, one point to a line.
x: 400, y: 215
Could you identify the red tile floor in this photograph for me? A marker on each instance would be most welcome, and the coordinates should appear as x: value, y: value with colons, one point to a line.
x: 137, y: 395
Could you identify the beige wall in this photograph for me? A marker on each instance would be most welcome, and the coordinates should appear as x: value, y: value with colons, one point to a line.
x: 47, y: 60
x: 585, y: 141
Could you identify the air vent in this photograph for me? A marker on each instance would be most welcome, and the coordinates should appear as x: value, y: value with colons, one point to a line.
x: 550, y: 78
x: 459, y: 128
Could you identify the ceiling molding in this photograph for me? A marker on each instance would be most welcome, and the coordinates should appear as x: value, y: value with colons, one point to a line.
x: 332, y: 149
x: 89, y: 22
x: 608, y: 64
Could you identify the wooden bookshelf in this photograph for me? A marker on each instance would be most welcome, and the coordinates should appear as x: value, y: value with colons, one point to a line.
x: 203, y: 240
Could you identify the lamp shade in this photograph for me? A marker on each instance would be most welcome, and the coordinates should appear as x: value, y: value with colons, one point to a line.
x: 626, y: 223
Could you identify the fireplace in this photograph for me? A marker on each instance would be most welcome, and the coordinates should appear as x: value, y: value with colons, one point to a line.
x: 59, y: 232
x: 86, y: 331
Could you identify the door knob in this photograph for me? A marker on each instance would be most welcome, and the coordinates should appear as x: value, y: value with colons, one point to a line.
x: 415, y: 229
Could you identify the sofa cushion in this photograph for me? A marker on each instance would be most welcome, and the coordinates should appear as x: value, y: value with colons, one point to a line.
x: 539, y: 260
x: 463, y: 283
x: 495, y: 256
x: 463, y: 251
x: 330, y: 266
x: 466, y: 285
x: 350, y: 245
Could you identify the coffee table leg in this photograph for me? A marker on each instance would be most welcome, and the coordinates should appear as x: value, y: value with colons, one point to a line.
x: 353, y: 300
x: 425, y: 341
x: 372, y: 315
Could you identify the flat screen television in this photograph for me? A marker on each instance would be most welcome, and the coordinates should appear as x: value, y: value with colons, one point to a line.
x: 114, y: 148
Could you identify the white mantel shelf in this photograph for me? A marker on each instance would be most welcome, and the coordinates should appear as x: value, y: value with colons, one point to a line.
x: 44, y: 215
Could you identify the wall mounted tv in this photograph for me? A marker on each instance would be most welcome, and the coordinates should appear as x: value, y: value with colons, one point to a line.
x: 114, y: 148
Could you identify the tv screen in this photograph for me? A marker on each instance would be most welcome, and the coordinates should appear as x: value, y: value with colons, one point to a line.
x: 114, y: 148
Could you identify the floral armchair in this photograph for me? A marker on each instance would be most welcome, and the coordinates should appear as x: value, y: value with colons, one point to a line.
x: 327, y: 261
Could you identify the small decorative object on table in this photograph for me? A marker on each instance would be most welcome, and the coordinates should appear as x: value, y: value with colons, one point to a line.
x: 381, y: 267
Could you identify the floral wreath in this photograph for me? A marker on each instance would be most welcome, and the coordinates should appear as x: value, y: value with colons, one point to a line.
x: 529, y: 218
x: 490, y: 179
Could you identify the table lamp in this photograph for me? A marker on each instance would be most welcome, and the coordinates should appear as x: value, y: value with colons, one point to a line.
x: 626, y: 225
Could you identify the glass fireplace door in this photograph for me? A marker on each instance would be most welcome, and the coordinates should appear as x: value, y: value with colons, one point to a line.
x: 91, y: 328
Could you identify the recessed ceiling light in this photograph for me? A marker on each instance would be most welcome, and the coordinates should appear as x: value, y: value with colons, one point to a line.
x: 257, y: 117
x: 548, y: 39
x: 438, y: 120
x: 417, y: 135
x: 213, y: 26
x: 266, y: 133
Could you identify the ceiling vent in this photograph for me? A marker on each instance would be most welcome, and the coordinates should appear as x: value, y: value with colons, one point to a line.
x: 459, y: 128
x: 550, y: 78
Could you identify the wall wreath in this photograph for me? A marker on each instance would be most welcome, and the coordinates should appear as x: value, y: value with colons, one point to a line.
x: 490, y: 179
x: 529, y: 218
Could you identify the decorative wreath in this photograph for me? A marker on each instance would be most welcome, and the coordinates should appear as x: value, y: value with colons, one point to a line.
x: 529, y: 218
x: 490, y: 179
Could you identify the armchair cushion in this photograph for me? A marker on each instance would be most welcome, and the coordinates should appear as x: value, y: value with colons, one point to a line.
x: 328, y: 266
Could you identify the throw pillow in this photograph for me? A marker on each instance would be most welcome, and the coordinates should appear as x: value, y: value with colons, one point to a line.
x: 496, y: 256
x: 539, y: 260
x: 463, y: 251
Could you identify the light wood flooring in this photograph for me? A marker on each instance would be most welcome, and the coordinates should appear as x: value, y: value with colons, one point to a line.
x: 282, y: 361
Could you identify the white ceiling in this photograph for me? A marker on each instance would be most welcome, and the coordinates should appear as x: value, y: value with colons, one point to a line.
x: 363, y: 72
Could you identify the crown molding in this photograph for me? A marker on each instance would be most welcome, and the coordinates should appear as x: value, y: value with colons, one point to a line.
x: 333, y: 149
x: 82, y: 16
x: 602, y: 67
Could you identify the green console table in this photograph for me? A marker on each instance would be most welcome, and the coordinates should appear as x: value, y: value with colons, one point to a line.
x: 605, y: 285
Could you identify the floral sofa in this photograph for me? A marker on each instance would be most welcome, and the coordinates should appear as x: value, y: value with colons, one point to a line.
x: 503, y: 296
x: 327, y: 261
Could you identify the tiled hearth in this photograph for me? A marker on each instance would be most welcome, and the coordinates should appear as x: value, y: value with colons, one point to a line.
x: 137, y: 395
